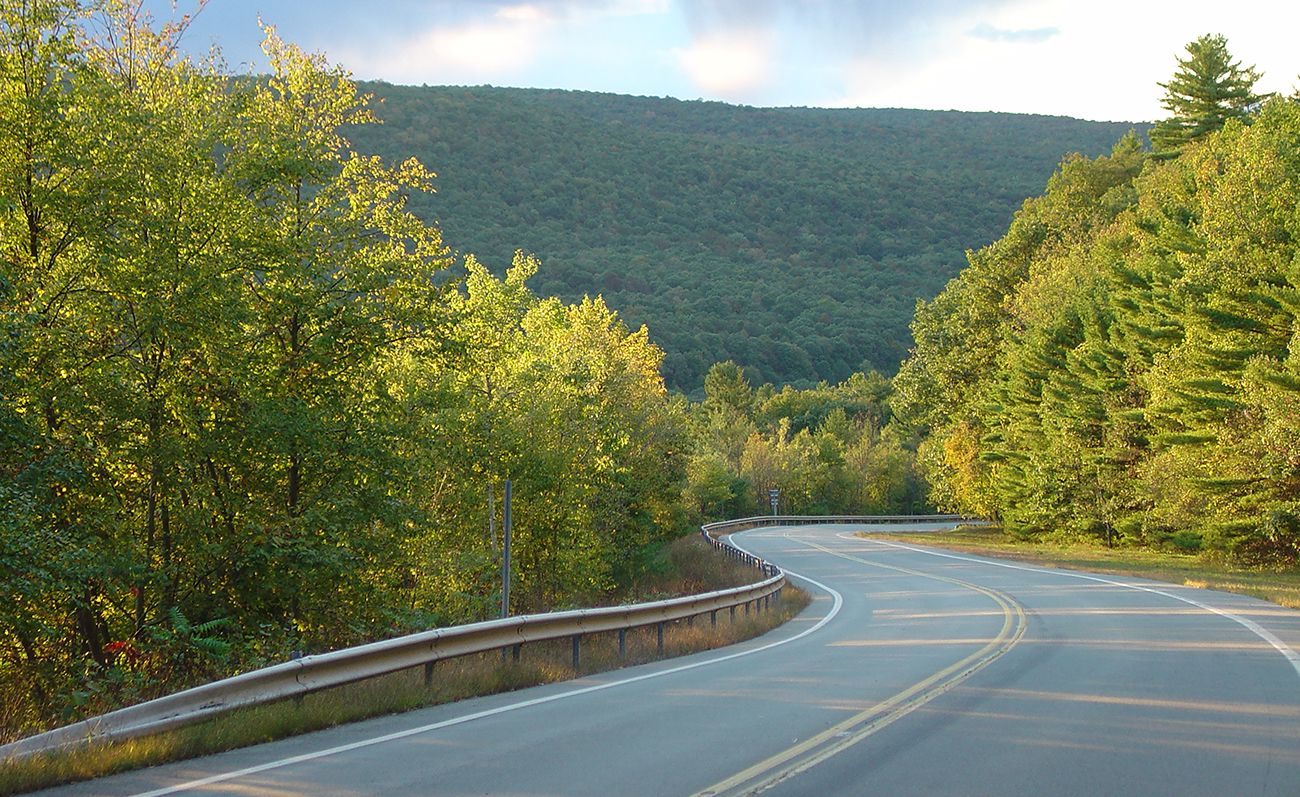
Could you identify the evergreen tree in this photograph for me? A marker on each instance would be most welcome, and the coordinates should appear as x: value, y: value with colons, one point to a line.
x: 727, y: 390
x: 1208, y: 89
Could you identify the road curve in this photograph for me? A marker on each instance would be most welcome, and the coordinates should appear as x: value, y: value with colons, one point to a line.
x: 914, y: 672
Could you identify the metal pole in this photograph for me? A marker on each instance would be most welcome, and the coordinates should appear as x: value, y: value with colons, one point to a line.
x: 505, y: 553
x: 492, y: 516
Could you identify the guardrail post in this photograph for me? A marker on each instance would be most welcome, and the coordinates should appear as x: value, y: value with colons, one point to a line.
x: 733, y: 614
x: 713, y: 618
x: 622, y: 643
x: 428, y: 673
x: 661, y: 638
x: 690, y: 621
x: 577, y: 651
x: 515, y: 653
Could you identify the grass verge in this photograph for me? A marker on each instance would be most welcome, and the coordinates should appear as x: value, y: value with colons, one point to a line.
x: 1282, y: 588
x: 696, y: 568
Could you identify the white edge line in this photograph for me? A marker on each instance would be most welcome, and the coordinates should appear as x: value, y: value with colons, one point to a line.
x: 1255, y: 628
x: 284, y: 762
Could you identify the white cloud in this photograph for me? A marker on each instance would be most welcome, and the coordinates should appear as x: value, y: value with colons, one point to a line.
x: 479, y: 42
x: 730, y: 64
x: 469, y: 53
x: 521, y: 13
x: 1035, y: 36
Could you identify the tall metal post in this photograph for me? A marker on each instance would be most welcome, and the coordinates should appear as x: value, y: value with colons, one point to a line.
x: 492, y: 516
x: 505, y: 553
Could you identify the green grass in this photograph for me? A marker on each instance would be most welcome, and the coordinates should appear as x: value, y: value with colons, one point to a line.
x: 696, y: 568
x: 1282, y: 588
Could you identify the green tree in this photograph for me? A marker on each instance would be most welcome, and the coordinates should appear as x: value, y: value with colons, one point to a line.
x: 727, y: 391
x: 823, y: 447
x: 165, y: 230
x: 1208, y: 89
x: 566, y: 402
x: 988, y: 346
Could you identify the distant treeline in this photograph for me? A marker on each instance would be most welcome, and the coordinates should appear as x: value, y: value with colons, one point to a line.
x: 794, y: 242
x: 830, y: 449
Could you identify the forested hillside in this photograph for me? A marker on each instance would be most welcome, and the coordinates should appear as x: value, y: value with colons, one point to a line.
x: 1123, y: 365
x: 794, y: 242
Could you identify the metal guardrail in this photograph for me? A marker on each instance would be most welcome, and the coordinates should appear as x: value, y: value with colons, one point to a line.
x: 728, y: 549
x: 311, y: 673
x: 728, y: 526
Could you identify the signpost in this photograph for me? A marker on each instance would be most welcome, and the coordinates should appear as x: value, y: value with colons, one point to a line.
x: 505, y: 554
x: 774, y: 495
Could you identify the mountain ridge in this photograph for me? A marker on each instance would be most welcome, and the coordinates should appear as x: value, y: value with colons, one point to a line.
x: 794, y: 241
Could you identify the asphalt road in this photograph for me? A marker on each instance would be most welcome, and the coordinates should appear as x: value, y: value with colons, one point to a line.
x: 914, y: 672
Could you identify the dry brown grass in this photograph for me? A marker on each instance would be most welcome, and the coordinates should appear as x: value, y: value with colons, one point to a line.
x: 696, y: 568
x: 1280, y: 587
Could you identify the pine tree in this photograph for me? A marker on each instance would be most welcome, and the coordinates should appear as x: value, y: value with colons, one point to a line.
x: 1208, y: 89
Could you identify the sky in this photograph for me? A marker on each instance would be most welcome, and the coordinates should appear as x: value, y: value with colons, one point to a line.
x: 1099, y: 59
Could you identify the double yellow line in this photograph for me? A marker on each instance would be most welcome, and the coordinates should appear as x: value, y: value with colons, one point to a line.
x: 838, y: 738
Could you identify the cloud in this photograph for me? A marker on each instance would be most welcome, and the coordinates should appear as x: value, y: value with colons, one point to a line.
x: 987, y: 32
x: 913, y: 53
x: 730, y: 64
x: 853, y: 27
x: 475, y: 41
x: 364, y: 34
x: 774, y: 52
x: 488, y: 48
